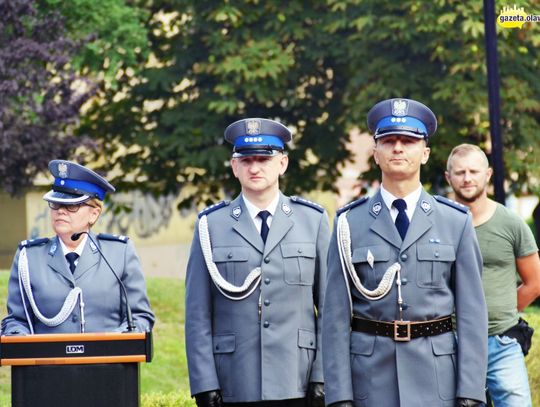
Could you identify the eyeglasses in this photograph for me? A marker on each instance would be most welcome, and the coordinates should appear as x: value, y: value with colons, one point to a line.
x: 70, y: 208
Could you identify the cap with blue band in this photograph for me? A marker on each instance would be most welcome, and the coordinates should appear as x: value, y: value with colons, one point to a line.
x: 255, y: 136
x: 74, y: 184
x: 405, y: 117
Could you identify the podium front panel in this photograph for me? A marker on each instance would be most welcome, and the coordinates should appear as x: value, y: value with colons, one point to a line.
x: 104, y: 385
x: 54, y: 349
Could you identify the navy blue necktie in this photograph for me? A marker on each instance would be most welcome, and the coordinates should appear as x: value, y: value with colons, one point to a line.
x: 402, y: 220
x: 264, y: 226
x: 72, y: 258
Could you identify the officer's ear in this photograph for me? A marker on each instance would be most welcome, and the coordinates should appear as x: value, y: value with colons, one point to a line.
x: 425, y: 154
x: 284, y: 163
x: 234, y: 166
x: 375, y: 155
x: 95, y: 212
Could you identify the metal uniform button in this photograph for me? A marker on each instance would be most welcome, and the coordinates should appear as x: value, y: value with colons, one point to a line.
x: 230, y: 256
x: 437, y: 254
x: 267, y: 260
x: 404, y: 281
x: 217, y: 347
x: 299, y: 250
x: 404, y: 257
x: 404, y: 306
x: 267, y: 302
x: 266, y: 324
x: 267, y: 280
x: 74, y: 318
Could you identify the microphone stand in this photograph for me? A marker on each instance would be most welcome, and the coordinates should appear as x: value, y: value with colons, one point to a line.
x: 131, y: 325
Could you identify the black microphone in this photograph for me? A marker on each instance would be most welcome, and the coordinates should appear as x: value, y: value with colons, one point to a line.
x: 131, y: 325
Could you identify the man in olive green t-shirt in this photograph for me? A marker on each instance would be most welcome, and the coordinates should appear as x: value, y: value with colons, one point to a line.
x: 507, y: 246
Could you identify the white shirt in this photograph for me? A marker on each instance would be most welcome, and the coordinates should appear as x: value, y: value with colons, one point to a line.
x: 411, y: 200
x: 254, y: 211
x: 78, y: 250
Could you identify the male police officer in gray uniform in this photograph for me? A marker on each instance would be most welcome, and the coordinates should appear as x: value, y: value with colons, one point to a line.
x: 399, y: 265
x: 255, y: 284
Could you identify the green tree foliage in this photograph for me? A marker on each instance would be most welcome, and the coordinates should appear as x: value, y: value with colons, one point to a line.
x: 318, y: 67
x: 214, y: 63
x: 434, y: 52
x: 115, y: 33
x: 54, y: 55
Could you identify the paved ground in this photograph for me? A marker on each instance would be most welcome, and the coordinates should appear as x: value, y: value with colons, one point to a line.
x: 164, y: 260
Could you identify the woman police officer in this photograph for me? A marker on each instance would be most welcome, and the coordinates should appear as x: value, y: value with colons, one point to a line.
x: 76, y: 281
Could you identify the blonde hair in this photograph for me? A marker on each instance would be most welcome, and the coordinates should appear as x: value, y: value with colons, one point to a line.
x: 96, y: 203
x: 463, y: 150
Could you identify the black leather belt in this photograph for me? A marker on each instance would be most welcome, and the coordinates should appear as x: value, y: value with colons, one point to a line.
x: 402, y: 331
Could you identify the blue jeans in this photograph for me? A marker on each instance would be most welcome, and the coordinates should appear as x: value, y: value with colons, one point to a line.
x: 507, y: 379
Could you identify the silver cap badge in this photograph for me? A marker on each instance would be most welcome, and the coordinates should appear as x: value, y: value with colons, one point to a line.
x: 62, y: 170
x: 400, y: 107
x: 253, y: 127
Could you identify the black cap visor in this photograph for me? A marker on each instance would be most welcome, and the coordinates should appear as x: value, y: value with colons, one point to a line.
x: 268, y: 151
x: 65, y: 197
x: 400, y: 130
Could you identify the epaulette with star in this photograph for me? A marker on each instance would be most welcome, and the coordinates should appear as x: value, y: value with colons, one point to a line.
x: 351, y: 205
x: 114, y: 238
x: 33, y: 242
x: 303, y: 201
x: 212, y: 208
x: 453, y: 204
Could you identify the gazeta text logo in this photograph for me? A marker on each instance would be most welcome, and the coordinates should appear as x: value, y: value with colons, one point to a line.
x: 515, y: 17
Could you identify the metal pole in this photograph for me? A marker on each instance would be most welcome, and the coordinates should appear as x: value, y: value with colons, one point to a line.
x: 494, y: 100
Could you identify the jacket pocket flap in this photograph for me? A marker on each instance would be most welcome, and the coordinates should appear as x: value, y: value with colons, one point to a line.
x: 443, y: 344
x: 362, y: 344
x: 436, y: 252
x: 222, y: 254
x: 224, y: 343
x: 378, y: 253
x: 298, y: 250
x: 307, y: 339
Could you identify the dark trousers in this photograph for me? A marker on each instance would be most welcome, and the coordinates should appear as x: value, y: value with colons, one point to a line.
x: 277, y: 403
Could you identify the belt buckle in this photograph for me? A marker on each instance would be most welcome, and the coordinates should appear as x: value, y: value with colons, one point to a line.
x: 397, y: 325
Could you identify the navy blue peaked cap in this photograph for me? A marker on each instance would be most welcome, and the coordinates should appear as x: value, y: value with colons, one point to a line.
x: 255, y: 136
x: 405, y: 117
x: 74, y: 184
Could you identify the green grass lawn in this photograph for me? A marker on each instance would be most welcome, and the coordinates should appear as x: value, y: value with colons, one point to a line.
x: 164, y: 382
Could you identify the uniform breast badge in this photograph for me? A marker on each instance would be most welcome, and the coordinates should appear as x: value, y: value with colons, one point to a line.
x: 370, y: 259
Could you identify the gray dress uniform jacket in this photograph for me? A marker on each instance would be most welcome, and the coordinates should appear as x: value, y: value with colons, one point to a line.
x: 441, y: 274
x: 253, y: 355
x: 52, y: 280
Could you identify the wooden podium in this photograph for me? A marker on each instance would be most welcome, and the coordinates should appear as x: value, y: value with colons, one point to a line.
x: 81, y: 370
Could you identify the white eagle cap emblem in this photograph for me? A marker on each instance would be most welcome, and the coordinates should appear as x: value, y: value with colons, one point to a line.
x: 253, y: 127
x: 400, y: 107
x: 62, y: 170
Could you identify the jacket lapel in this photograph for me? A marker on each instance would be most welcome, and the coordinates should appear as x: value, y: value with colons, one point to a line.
x: 89, y: 258
x: 281, y: 224
x: 243, y: 224
x: 57, y: 261
x: 383, y: 224
x: 420, y: 222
